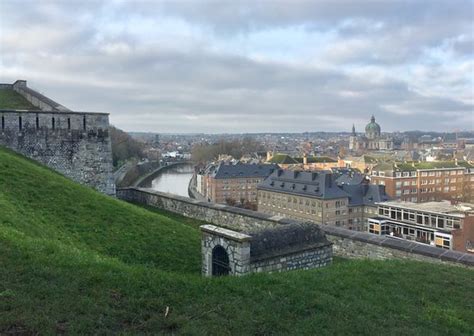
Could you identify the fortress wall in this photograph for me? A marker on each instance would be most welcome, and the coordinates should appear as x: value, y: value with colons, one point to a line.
x: 75, y: 144
x: 346, y: 243
x: 37, y: 99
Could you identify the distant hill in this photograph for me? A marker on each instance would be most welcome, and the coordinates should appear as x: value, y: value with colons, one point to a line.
x: 73, y: 261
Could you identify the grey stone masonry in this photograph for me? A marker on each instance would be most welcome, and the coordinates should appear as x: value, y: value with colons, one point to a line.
x: 37, y: 99
x: 238, y: 247
x: 316, y: 256
x: 236, y: 244
x: 76, y: 144
x: 347, y: 243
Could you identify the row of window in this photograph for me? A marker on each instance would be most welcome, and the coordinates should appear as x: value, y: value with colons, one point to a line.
x: 241, y: 181
x: 420, y: 218
x: 442, y: 173
x: 408, y: 233
x: 423, y: 174
x: 446, y: 181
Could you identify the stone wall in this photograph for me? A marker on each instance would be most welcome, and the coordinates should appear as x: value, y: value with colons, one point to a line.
x: 239, y: 249
x: 347, y: 243
x: 135, y: 171
x: 75, y: 144
x: 313, y: 257
x: 236, y: 245
x: 37, y: 99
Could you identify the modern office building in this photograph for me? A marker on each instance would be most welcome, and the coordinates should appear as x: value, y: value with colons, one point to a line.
x: 442, y: 224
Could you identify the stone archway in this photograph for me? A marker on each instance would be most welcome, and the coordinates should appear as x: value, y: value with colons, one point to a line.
x: 220, y: 261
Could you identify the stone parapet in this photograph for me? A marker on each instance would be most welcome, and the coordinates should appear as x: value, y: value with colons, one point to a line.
x: 347, y: 243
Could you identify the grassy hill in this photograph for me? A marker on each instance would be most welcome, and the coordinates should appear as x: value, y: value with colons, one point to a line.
x: 74, y: 261
x: 10, y: 99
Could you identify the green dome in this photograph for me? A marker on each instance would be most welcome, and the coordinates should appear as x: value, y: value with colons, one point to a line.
x: 372, y: 127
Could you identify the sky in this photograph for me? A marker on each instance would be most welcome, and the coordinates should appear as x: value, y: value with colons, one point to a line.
x: 248, y: 66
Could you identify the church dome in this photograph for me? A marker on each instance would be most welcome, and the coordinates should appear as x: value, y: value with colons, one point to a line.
x: 372, y: 130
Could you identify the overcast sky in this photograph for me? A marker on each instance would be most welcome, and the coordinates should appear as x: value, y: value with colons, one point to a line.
x: 257, y: 66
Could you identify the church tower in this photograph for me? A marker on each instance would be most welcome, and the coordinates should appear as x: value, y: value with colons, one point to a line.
x: 353, y: 139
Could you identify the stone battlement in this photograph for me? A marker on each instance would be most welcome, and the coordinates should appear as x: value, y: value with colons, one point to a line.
x: 76, y: 144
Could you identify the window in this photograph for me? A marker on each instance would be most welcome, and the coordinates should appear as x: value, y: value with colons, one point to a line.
x: 374, y: 228
x: 68, y: 123
x: 3, y: 122
x: 20, y: 123
x: 84, y: 123
x: 53, y: 123
x: 443, y: 242
x: 37, y: 122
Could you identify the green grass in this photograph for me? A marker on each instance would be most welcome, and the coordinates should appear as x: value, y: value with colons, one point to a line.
x: 73, y: 261
x: 10, y: 99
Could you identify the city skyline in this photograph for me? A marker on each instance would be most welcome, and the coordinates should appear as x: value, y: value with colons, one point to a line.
x: 274, y: 67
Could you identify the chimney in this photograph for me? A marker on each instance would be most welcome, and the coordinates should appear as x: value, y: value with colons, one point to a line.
x: 305, y: 159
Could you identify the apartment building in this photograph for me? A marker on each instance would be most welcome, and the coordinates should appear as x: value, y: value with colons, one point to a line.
x: 318, y: 197
x: 233, y: 183
x: 442, y: 224
x: 426, y: 181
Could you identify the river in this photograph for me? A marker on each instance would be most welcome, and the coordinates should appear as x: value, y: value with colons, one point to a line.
x: 174, y: 180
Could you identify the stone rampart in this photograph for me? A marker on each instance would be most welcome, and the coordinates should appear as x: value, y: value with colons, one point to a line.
x: 346, y: 243
x: 37, y: 99
x: 76, y: 144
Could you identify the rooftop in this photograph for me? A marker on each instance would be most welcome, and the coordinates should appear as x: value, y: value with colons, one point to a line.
x: 242, y: 170
x: 316, y: 159
x: 413, y: 166
x: 322, y: 185
x: 282, y: 159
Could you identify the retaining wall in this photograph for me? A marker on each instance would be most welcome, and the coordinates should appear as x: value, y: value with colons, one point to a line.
x: 347, y: 243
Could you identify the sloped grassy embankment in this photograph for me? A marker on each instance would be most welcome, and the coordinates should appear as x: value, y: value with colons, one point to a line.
x: 74, y: 261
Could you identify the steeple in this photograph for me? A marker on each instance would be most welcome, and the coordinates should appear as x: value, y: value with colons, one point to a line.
x: 353, y: 130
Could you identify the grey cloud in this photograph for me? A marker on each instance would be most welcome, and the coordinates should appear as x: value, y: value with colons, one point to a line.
x: 155, y: 90
x: 164, y: 89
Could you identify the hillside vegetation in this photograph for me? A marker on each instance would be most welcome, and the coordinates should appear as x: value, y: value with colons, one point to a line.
x: 10, y: 99
x: 74, y: 261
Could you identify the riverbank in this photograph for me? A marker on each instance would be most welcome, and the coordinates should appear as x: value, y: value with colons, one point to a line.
x: 192, y: 190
